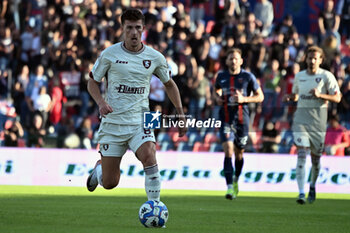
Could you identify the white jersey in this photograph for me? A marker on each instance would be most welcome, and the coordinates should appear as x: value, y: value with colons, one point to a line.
x: 128, y: 76
x: 311, y: 110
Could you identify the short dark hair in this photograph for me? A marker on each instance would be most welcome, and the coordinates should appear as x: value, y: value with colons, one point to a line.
x: 315, y: 49
x: 233, y: 50
x: 132, y: 14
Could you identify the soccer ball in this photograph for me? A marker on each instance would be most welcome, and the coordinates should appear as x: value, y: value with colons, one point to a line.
x: 153, y: 214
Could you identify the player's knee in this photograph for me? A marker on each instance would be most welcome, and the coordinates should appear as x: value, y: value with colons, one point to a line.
x: 148, y: 157
x: 110, y: 184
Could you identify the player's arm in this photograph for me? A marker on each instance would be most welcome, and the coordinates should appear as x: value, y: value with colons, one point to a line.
x: 174, y: 96
x: 257, y: 97
x: 334, y: 98
x: 94, y: 91
x: 217, y: 96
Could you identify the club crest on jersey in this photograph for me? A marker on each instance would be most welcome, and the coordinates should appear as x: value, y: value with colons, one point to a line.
x: 318, y: 80
x: 105, y: 146
x: 147, y: 63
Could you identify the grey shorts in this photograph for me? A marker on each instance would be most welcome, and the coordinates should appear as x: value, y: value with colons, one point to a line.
x: 115, y: 139
x: 309, y: 136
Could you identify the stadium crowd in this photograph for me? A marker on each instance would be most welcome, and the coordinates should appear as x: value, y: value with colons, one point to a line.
x: 47, y: 48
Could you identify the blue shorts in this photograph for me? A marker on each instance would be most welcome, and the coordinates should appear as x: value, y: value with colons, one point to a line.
x: 238, y: 133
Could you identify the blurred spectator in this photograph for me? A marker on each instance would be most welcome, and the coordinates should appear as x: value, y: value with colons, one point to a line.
x: 36, y: 81
x: 197, y: 10
x: 278, y: 50
x: 57, y: 102
x: 244, y: 10
x: 344, y: 106
x: 251, y: 28
x: 3, y: 84
x: 64, y: 129
x: 256, y: 56
x: 271, y: 88
x: 42, y: 104
x: 214, y: 53
x: 13, y: 131
x: 224, y: 8
x: 343, y: 9
x: 286, y: 27
x: 270, y: 138
x: 200, y: 88
x: 199, y: 43
x: 85, y: 133
x: 35, y: 12
x: 329, y: 21
x: 36, y: 132
x: 329, y: 46
x: 26, y: 46
x: 337, y: 137
x: 286, y: 88
x: 6, y: 48
x: 263, y: 11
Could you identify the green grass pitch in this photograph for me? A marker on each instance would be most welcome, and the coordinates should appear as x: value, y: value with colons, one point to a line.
x: 41, y: 209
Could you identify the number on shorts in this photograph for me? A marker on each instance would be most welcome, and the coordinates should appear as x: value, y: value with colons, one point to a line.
x: 147, y: 131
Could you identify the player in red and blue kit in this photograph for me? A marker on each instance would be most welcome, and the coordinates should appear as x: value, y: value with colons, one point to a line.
x: 234, y: 89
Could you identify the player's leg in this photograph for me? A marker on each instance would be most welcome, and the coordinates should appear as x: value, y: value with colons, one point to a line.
x: 302, y: 142
x: 239, y: 161
x: 146, y: 153
x: 143, y: 145
x: 228, y: 168
x: 226, y: 138
x: 241, y: 139
x: 315, y: 171
x: 302, y: 152
x: 317, y: 143
x: 107, y: 170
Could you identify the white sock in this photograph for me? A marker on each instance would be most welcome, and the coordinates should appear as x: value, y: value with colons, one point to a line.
x: 315, y: 170
x: 229, y: 186
x: 300, y: 169
x: 152, y: 182
x: 98, y: 170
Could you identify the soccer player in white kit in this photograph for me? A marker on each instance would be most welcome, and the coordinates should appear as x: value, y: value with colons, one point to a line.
x: 128, y: 67
x: 313, y: 88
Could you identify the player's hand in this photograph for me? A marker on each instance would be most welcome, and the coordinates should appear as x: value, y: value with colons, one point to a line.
x: 315, y: 92
x: 238, y: 97
x: 182, y: 130
x: 286, y: 98
x: 104, y: 109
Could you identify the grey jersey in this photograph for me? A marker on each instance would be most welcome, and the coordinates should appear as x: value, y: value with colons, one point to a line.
x: 311, y: 110
x: 128, y: 76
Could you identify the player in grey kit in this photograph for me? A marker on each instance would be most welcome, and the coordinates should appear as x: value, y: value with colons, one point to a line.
x: 128, y: 67
x: 313, y: 88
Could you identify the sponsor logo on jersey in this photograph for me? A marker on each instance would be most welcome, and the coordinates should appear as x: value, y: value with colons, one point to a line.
x: 147, y: 63
x: 121, y: 62
x: 130, y: 90
x: 308, y: 97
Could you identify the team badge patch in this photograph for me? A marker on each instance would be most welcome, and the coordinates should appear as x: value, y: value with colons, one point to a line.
x: 105, y: 146
x: 147, y: 63
x: 318, y: 80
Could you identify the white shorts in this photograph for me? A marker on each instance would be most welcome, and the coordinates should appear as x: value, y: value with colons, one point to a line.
x: 115, y: 139
x: 308, y: 136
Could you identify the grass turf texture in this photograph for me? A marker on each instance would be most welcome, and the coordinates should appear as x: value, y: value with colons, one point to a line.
x: 71, y: 209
